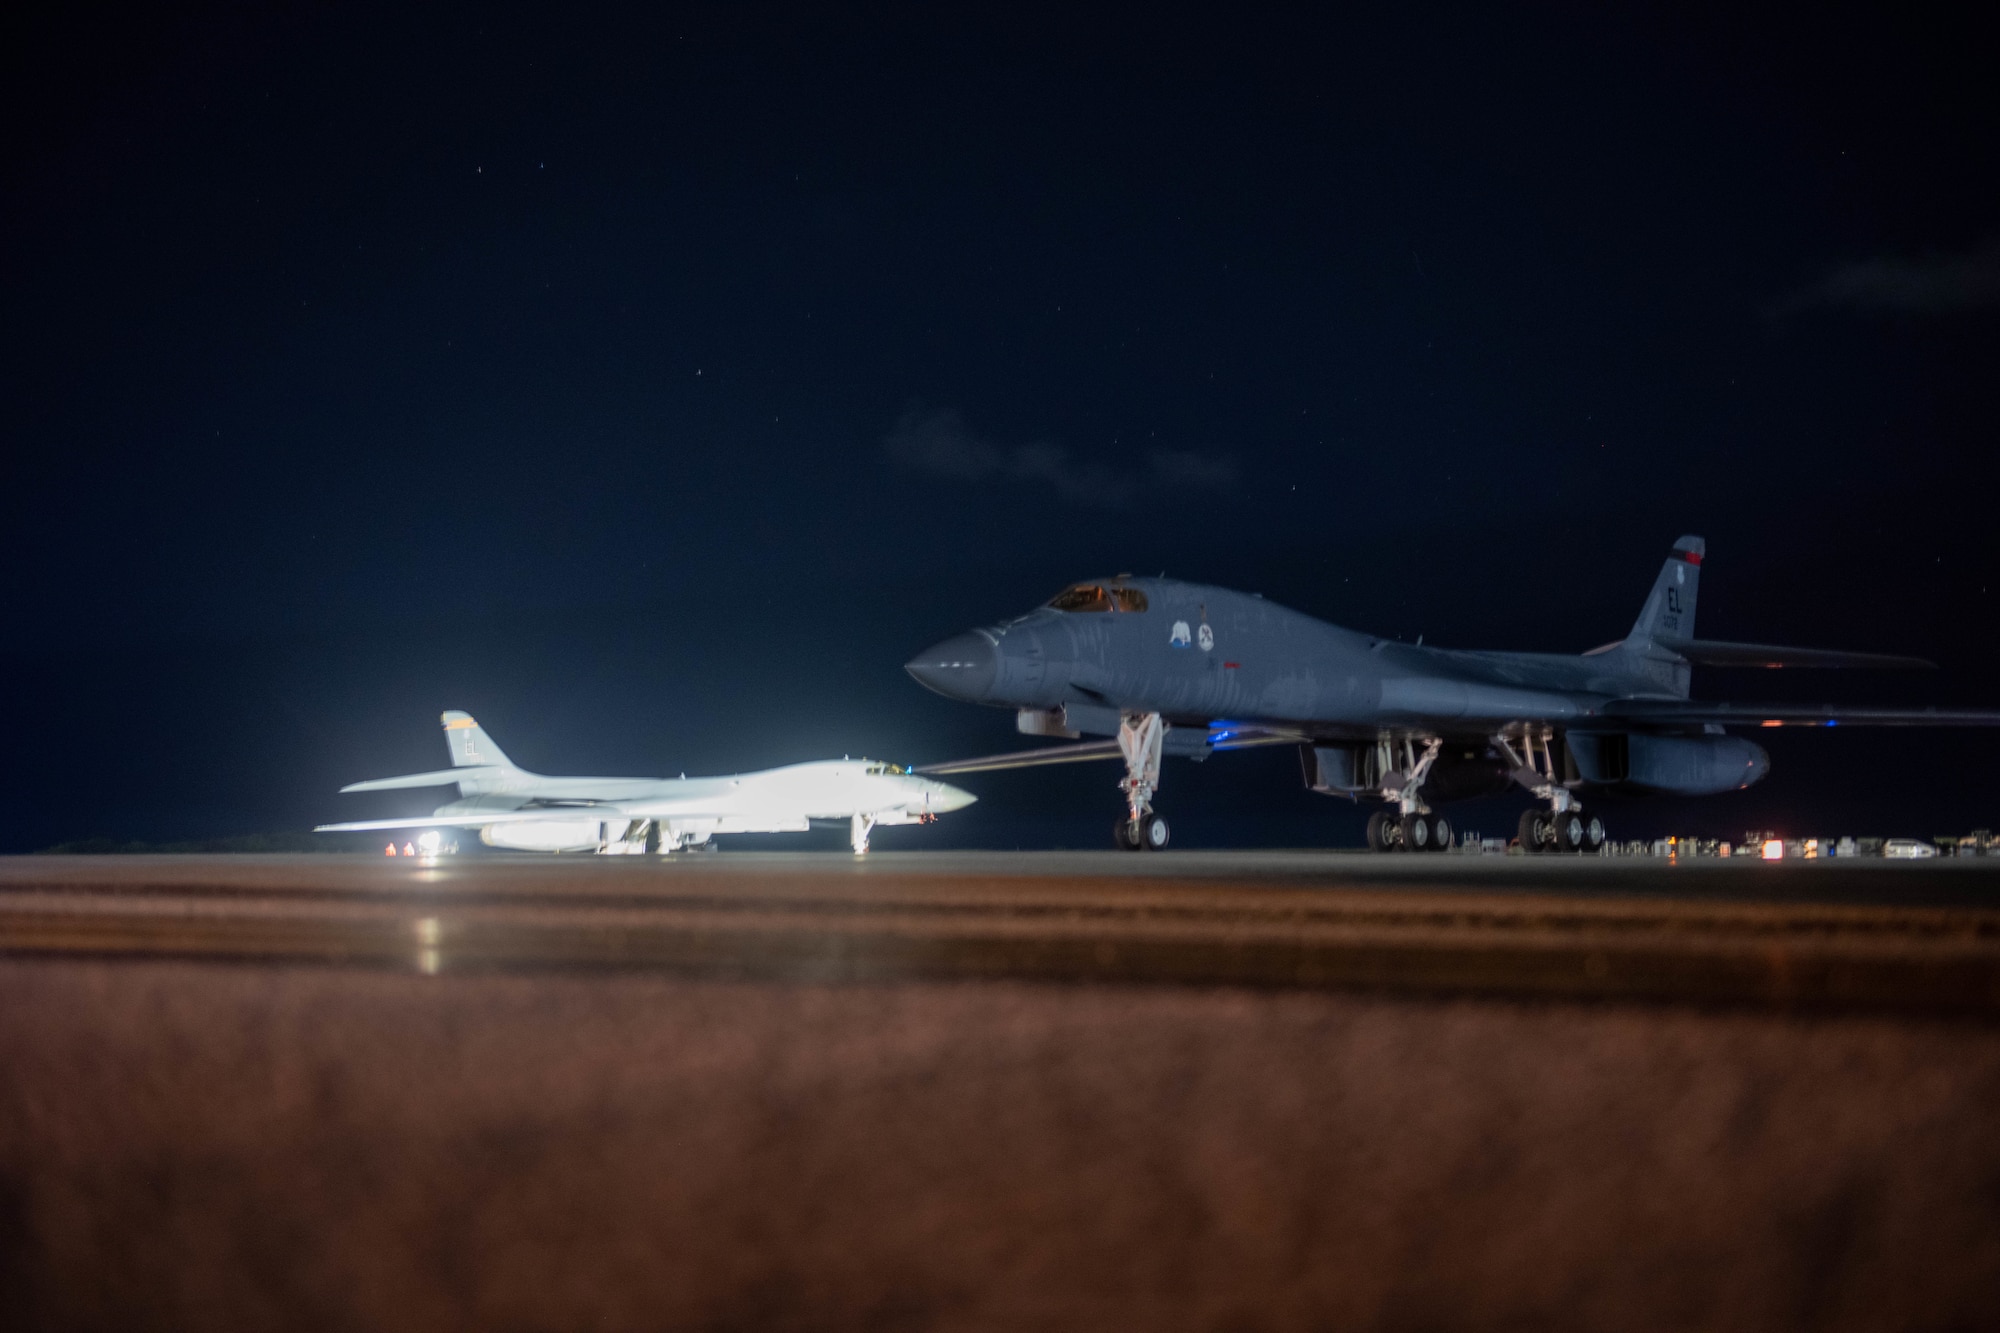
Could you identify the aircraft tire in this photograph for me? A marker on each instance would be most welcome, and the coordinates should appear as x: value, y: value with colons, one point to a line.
x: 1534, y: 824
x: 1593, y: 834
x: 1125, y: 834
x: 1153, y: 833
x: 1569, y: 831
x: 1440, y: 833
x: 1379, y: 839
x: 1416, y: 833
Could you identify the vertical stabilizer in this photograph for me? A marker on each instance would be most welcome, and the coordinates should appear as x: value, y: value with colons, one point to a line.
x: 1669, y: 611
x: 469, y: 744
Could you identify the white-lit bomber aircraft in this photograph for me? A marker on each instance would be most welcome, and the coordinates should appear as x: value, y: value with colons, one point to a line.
x: 523, y: 811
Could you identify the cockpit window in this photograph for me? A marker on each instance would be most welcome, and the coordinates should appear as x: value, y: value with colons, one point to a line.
x: 1098, y: 597
x: 885, y: 770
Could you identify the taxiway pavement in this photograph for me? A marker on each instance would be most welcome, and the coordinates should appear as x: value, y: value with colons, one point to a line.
x: 997, y: 1091
x: 1862, y: 935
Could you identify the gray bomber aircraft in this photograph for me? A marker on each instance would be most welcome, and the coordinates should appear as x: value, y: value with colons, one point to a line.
x: 1171, y: 668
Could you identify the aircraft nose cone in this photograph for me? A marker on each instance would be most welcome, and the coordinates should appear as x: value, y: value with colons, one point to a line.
x: 945, y: 798
x: 959, y: 668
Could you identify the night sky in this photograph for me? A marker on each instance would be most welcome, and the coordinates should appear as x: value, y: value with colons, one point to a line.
x: 653, y: 388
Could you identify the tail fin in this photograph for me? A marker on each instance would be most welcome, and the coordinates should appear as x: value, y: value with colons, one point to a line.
x: 469, y: 744
x: 1667, y: 614
x: 1669, y: 610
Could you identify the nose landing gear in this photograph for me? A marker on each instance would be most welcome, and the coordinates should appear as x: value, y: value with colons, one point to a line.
x: 1139, y: 738
x: 1147, y: 834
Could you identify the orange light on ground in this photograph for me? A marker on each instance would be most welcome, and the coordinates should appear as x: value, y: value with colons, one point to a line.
x: 409, y: 849
x: 390, y: 849
x: 1774, y: 849
x: 1771, y: 723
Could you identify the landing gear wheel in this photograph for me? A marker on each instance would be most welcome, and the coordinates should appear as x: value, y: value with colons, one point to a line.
x: 1416, y: 832
x: 1383, y: 834
x: 1593, y: 834
x: 1440, y: 833
x: 1535, y: 831
x: 1153, y: 833
x: 1125, y: 835
x: 1569, y: 831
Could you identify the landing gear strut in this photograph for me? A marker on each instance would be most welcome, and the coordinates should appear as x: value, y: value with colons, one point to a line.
x: 1563, y: 827
x: 1139, y: 738
x: 1411, y: 827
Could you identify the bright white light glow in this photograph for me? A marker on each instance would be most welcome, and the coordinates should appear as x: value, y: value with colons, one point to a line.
x: 429, y: 843
x: 1774, y: 849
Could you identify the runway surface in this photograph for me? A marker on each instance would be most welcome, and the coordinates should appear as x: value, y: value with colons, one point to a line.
x: 1870, y: 935
x: 997, y: 1091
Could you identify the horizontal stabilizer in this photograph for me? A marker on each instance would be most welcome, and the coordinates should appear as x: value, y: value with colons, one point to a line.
x: 1690, y: 712
x: 1715, y: 652
x: 441, y: 778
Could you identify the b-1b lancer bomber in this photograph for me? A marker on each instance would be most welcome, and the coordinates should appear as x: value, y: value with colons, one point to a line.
x: 1179, y: 668
x: 525, y: 811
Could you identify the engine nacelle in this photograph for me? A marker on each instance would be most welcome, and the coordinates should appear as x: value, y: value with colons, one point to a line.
x: 1681, y: 765
x: 551, y: 835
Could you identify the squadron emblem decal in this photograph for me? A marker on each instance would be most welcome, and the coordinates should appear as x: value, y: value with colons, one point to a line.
x: 1205, y: 637
x: 1179, y: 638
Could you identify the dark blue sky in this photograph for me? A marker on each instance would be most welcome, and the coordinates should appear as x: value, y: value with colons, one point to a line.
x: 654, y: 387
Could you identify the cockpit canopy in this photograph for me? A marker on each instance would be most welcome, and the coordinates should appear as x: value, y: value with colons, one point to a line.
x: 876, y: 770
x: 1098, y: 597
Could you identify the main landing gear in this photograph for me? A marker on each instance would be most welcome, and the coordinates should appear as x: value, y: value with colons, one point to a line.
x: 1139, y: 738
x: 1414, y: 832
x: 1569, y: 830
x: 1412, y: 826
x: 1563, y: 827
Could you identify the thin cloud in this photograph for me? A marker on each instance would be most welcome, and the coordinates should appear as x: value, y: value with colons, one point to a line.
x: 939, y: 443
x: 1931, y: 285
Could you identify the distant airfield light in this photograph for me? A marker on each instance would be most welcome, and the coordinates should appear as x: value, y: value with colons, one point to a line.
x: 1773, y: 723
x: 390, y: 849
x: 409, y: 849
x: 429, y: 843
x: 1774, y: 849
